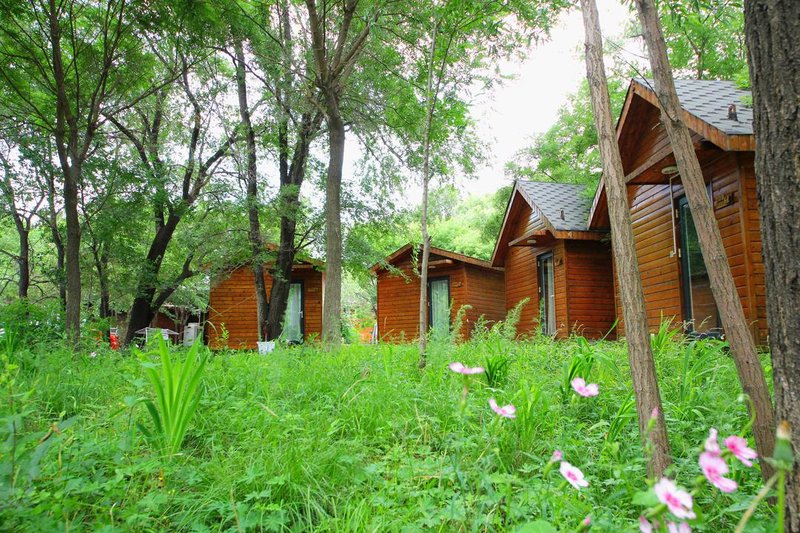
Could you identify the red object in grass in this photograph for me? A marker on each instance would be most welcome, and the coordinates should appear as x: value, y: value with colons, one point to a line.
x: 114, y: 341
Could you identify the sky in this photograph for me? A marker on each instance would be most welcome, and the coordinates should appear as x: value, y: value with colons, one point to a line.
x: 511, y: 114
x: 528, y: 104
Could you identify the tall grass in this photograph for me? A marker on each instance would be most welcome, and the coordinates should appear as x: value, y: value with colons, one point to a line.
x: 357, y: 440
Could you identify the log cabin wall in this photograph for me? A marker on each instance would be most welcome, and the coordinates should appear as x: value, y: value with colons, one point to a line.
x: 232, y: 304
x: 590, y: 288
x: 485, y: 293
x: 398, y: 298
x: 732, y: 182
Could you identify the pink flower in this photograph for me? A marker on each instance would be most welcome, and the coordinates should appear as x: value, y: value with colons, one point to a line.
x: 465, y: 370
x: 580, y: 386
x: 683, y: 527
x: 557, y: 455
x: 587, y: 521
x: 507, y: 411
x: 678, y: 501
x: 712, y: 445
x: 740, y: 450
x: 714, y: 468
x: 573, y: 475
x: 654, y: 413
x: 646, y: 526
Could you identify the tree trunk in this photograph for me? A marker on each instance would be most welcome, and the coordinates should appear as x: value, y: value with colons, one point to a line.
x: 423, y: 280
x: 142, y: 311
x: 24, y: 262
x: 743, y: 348
x: 101, y: 263
x: 332, y: 313
x: 256, y: 244
x: 72, y: 317
x: 430, y: 103
x: 69, y: 155
x: 292, y: 176
x: 771, y: 29
x: 52, y: 221
x: 640, y: 355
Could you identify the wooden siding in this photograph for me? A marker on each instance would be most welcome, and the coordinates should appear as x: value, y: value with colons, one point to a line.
x: 398, y: 299
x: 232, y: 304
x: 583, y: 279
x: 522, y: 280
x: 485, y: 293
x: 521, y: 275
x: 590, y: 288
x: 731, y: 176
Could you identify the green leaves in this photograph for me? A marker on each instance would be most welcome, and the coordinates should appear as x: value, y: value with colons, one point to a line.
x: 177, y: 389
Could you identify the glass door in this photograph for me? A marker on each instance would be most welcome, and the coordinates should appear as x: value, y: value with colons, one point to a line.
x: 547, y: 294
x: 699, y: 307
x: 293, y: 319
x: 439, y: 306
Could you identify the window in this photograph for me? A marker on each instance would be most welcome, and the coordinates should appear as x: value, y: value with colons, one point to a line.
x: 547, y: 293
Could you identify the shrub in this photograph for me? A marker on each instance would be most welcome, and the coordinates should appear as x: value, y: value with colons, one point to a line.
x: 177, y: 389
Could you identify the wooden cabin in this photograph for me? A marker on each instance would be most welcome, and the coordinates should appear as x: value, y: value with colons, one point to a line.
x: 674, y: 275
x: 232, y: 306
x: 454, y: 280
x: 554, y: 260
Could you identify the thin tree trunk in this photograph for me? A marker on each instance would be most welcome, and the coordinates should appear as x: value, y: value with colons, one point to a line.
x: 423, y: 279
x: 771, y: 29
x: 743, y: 348
x: 101, y: 264
x: 52, y: 221
x: 23, y: 231
x: 332, y: 313
x: 256, y: 243
x: 24, y: 262
x: 640, y: 354
x: 430, y: 103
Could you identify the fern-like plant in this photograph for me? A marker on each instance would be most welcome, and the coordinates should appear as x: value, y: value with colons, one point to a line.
x: 177, y: 388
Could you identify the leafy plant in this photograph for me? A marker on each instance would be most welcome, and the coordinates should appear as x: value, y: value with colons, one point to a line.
x: 508, y: 327
x: 458, y: 323
x: 532, y: 407
x: 696, y: 365
x: 580, y: 365
x: 177, y: 389
x: 623, y: 416
x: 665, y: 336
x: 496, y: 370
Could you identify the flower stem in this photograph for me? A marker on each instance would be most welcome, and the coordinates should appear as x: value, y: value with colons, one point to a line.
x: 752, y: 509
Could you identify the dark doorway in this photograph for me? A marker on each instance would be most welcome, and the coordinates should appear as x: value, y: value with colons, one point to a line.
x: 699, y: 308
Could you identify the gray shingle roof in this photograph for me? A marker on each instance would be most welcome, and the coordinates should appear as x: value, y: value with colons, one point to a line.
x: 552, y: 198
x: 708, y: 100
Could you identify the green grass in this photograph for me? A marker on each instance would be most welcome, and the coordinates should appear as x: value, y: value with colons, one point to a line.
x: 359, y: 440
